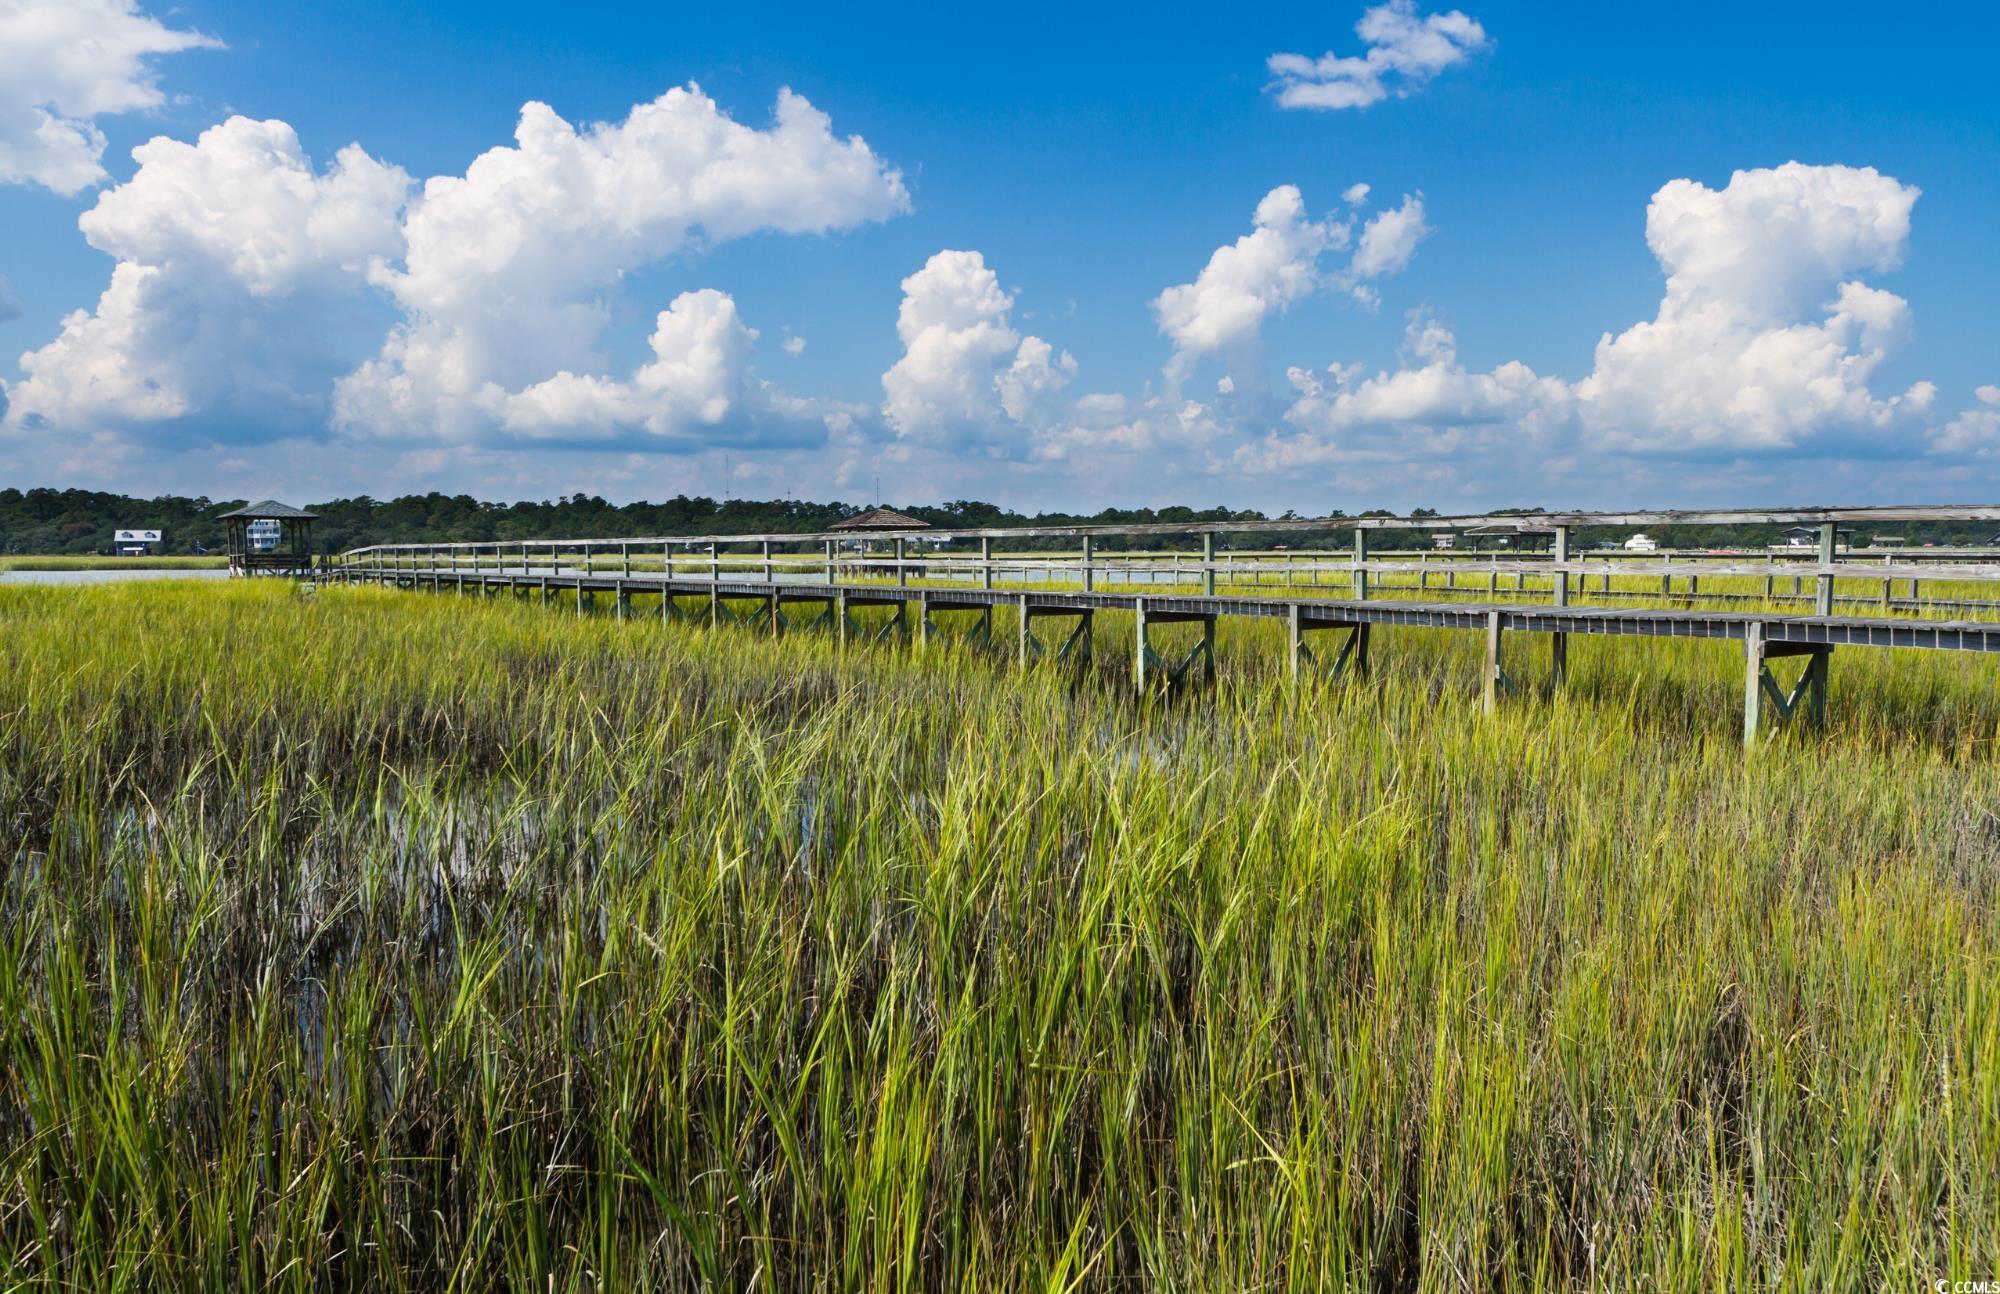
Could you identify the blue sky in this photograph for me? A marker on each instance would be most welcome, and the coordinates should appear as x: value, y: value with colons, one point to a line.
x: 1089, y: 163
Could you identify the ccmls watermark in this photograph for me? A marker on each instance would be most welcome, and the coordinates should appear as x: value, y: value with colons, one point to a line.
x: 1991, y: 1285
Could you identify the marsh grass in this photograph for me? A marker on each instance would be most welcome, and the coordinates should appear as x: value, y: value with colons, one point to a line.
x: 383, y: 940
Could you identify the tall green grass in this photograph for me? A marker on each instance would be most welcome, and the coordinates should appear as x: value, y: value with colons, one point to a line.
x: 399, y: 941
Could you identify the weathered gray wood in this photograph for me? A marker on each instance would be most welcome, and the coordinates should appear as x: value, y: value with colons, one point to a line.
x: 1667, y: 517
x: 1208, y: 562
x: 1490, y: 680
x: 1360, y: 566
x: 1089, y: 572
x: 1559, y: 587
x: 1139, y: 660
x: 1828, y: 538
x: 1753, y: 683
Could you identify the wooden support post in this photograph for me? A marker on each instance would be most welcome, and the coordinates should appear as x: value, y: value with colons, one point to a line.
x: 1024, y: 636
x: 714, y: 569
x: 1089, y: 574
x: 829, y: 563
x: 1208, y: 563
x: 840, y: 619
x: 1139, y: 661
x: 1824, y: 604
x: 767, y: 561
x: 1559, y: 642
x: 985, y: 563
x: 902, y: 571
x: 777, y: 616
x: 923, y: 620
x: 667, y: 560
x: 1360, y: 569
x: 1753, y: 681
x: 621, y: 600
x: 1491, y: 678
x: 1295, y: 639
x: 625, y: 561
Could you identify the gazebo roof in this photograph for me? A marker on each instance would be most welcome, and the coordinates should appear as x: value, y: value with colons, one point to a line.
x: 881, y: 519
x: 270, y: 510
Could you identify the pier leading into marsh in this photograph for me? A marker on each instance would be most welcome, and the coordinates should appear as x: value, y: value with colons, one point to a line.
x: 1792, y: 599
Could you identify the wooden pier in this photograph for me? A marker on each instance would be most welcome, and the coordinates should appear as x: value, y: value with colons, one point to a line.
x: 789, y: 582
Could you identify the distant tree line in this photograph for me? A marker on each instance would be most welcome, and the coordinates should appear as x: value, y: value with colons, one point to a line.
x: 47, y: 521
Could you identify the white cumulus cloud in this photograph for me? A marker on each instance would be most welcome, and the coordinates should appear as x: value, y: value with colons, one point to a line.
x: 1975, y: 432
x: 1403, y: 51
x: 504, y: 279
x: 64, y: 63
x: 229, y: 252
x: 966, y: 378
x: 1275, y: 266
x: 1340, y: 411
x: 1764, y: 338
x: 697, y: 392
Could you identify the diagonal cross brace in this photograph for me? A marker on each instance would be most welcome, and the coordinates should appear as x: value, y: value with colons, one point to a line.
x: 1351, y: 660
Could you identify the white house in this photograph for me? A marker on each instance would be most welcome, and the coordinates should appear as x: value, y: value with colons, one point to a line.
x: 137, y: 543
x: 263, y: 535
x: 1641, y: 543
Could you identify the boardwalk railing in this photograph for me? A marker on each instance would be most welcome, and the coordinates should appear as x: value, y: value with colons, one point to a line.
x: 1162, y: 573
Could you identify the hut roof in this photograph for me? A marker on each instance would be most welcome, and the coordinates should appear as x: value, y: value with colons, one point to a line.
x: 270, y: 510
x: 881, y: 519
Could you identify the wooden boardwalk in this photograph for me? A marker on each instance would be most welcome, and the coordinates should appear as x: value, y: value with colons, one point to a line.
x: 778, y: 606
x: 782, y: 583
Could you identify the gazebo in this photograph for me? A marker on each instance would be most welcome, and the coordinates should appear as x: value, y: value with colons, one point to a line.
x: 874, y: 522
x: 881, y: 519
x: 270, y: 538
